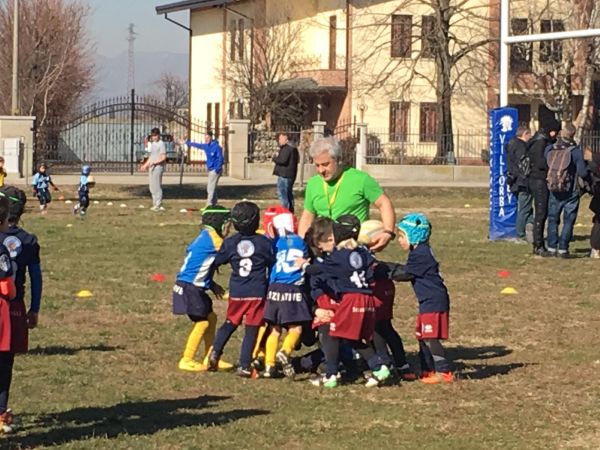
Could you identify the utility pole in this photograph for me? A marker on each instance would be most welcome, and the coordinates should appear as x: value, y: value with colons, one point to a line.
x: 131, y: 59
x: 15, y: 60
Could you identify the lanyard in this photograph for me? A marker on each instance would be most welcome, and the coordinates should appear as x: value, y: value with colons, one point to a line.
x: 331, y: 200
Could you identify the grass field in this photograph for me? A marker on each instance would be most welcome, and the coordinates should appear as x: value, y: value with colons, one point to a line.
x: 102, y: 371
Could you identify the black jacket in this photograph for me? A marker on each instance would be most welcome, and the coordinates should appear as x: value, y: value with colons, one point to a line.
x: 515, y: 149
x: 286, y: 162
x: 535, y: 148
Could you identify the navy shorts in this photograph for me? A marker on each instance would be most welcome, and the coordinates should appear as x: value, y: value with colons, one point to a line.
x: 191, y: 300
x: 287, y: 304
x: 44, y: 196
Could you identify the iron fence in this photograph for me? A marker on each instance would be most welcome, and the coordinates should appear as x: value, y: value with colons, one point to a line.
x: 591, y: 139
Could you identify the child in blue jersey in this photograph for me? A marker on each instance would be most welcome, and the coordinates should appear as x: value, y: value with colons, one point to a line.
x: 193, y: 281
x: 287, y: 300
x: 86, y: 181
x: 15, y: 321
x: 423, y: 271
x: 41, y: 183
x: 251, y: 257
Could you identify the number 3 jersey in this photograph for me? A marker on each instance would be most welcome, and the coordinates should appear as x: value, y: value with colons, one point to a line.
x: 347, y: 271
x: 287, y: 250
x: 251, y: 258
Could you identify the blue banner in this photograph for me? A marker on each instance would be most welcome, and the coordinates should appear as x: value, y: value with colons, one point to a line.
x: 503, y: 203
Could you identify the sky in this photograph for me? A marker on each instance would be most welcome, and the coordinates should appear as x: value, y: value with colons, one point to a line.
x: 110, y: 19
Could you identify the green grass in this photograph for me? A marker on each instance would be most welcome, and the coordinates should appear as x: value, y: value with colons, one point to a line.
x: 102, y: 371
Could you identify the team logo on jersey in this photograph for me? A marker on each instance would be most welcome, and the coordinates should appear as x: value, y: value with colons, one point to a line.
x: 14, y: 246
x: 356, y: 260
x: 245, y: 249
x: 5, y: 264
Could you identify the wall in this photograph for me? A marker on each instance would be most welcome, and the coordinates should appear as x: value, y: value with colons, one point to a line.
x: 20, y: 127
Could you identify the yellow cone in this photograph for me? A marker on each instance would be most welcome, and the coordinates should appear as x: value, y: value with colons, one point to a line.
x: 509, y: 291
x: 467, y: 205
x: 84, y: 294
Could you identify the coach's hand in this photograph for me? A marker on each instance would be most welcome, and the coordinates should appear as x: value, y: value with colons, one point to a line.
x: 380, y: 242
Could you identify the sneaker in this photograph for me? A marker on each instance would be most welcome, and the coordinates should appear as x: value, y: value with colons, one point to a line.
x: 154, y: 209
x: 372, y: 382
x: 213, y: 361
x: 269, y: 372
x: 406, y: 373
x: 76, y: 208
x: 324, y: 381
x: 383, y: 373
x: 190, y: 365
x: 541, y: 252
x: 438, y: 377
x: 6, y: 420
x: 259, y: 364
x: 595, y: 254
x: 82, y: 212
x: 244, y: 372
x: 563, y: 254
x: 286, y: 365
x: 161, y: 208
x: 221, y: 365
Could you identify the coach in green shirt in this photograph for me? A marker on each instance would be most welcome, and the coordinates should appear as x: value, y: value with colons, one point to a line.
x: 336, y: 191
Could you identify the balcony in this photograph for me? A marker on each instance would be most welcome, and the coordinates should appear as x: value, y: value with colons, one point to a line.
x: 317, y: 67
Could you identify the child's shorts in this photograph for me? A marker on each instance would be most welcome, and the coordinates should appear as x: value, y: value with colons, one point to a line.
x: 355, y: 317
x: 248, y: 309
x: 286, y: 304
x: 14, y: 334
x: 191, y: 300
x: 433, y: 325
x: 384, y: 291
x: 44, y: 196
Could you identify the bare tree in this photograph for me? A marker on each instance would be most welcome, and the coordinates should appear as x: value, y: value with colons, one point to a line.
x: 259, y: 68
x: 172, y: 91
x: 453, y: 36
x: 55, y: 57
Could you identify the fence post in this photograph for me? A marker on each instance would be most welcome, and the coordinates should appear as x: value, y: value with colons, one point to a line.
x: 319, y: 129
x: 131, y: 132
x: 361, y: 146
x: 238, y: 147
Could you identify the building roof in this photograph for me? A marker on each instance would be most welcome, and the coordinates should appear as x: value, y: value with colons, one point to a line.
x: 306, y: 86
x: 191, y: 4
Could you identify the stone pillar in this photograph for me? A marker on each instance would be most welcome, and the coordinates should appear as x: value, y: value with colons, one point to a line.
x: 20, y: 127
x: 361, y: 146
x: 238, y: 148
x: 319, y: 129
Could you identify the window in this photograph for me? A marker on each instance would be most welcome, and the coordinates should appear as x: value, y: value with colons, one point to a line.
x: 401, y: 36
x: 232, y: 39
x: 427, y: 36
x: 231, y: 112
x: 332, y: 42
x: 240, y: 42
x: 520, y: 54
x: 209, y: 115
x: 551, y: 51
x: 217, y: 118
x: 399, y: 113
x: 240, y: 110
x: 428, y: 128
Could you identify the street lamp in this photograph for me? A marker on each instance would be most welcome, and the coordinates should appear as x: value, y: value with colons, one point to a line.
x: 319, y: 109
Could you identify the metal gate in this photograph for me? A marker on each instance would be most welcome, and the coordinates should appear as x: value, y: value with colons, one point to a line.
x: 112, y: 137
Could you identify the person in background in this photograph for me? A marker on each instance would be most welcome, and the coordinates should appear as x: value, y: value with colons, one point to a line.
x: 214, y: 164
x: 593, y: 161
x: 155, y: 165
x: 2, y: 171
x: 286, y: 169
x: 519, y: 168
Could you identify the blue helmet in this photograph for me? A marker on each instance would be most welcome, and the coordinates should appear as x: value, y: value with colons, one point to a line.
x: 85, y: 170
x: 416, y: 227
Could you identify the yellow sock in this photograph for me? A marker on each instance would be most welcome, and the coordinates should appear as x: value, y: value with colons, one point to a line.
x: 209, y: 335
x: 259, y: 341
x: 290, y: 342
x: 193, y: 342
x: 272, y: 344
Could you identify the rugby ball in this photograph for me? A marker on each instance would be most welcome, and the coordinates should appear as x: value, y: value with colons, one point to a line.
x: 369, y: 230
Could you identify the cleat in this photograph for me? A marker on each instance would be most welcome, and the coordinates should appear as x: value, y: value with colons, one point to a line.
x: 286, y: 365
x: 269, y: 372
x: 407, y: 375
x: 244, y: 372
x: 372, y: 382
x: 190, y: 365
x: 76, y: 208
x: 324, y: 381
x: 438, y: 377
x: 213, y: 361
x: 259, y: 364
x: 382, y: 374
x: 447, y: 377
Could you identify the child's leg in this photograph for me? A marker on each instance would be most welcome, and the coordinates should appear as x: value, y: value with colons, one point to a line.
x: 367, y: 352
x: 291, y: 339
x: 222, y: 337
x: 84, y: 200
x: 440, y: 362
x: 425, y: 357
x: 386, y: 330
x: 187, y: 362
x: 6, y: 368
x: 261, y: 341
x: 247, y: 346
x: 309, y: 362
x: 272, y: 345
x: 209, y: 335
x: 331, y: 347
x: 381, y: 349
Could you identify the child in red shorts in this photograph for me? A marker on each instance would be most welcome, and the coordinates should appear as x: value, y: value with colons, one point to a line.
x: 422, y: 270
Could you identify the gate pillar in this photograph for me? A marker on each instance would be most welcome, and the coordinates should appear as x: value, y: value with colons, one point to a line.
x: 238, y: 148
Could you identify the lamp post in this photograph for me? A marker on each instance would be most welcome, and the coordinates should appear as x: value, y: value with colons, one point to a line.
x: 15, y: 60
x: 362, y: 108
x: 319, y: 109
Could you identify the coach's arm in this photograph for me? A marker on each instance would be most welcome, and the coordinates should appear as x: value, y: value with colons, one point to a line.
x: 388, y: 217
x: 306, y: 220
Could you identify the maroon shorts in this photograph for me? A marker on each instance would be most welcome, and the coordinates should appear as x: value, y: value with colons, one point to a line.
x: 432, y: 325
x: 355, y: 317
x: 13, y: 326
x: 384, y: 291
x: 248, y: 309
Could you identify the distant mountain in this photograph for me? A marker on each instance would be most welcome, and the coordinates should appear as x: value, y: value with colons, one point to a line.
x: 111, y: 76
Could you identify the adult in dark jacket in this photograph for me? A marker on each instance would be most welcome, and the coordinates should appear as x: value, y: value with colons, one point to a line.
x: 515, y: 151
x: 286, y: 169
x: 537, y: 181
x: 565, y: 202
x: 593, y: 161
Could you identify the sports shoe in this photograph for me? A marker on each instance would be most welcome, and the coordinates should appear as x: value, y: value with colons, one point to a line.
x: 324, y: 381
x: 564, y: 254
x: 259, y: 364
x: 371, y: 382
x: 154, y: 209
x: 406, y: 373
x: 161, y: 208
x: 383, y: 373
x: 595, y: 254
x: 244, y: 372
x: 438, y: 377
x: 190, y: 365
x: 76, y: 208
x: 541, y: 252
x: 269, y: 372
x: 213, y: 361
x: 6, y: 420
x: 286, y: 365
x: 220, y: 365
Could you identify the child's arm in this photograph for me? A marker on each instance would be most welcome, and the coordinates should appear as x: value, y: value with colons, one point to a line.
x: 35, y: 277
x: 53, y: 185
x: 392, y: 271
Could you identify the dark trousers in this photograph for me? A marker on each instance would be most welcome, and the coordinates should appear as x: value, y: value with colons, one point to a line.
x: 539, y: 190
x: 7, y: 360
x: 285, y: 192
x: 567, y: 205
x: 595, y: 207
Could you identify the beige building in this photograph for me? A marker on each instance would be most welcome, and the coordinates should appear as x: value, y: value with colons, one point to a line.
x: 367, y: 61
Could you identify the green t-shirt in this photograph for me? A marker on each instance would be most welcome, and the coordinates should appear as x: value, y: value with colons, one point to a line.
x: 351, y: 193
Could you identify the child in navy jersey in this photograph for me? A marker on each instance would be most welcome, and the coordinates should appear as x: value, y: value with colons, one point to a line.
x: 21, y: 252
x: 422, y: 270
x: 41, y: 183
x: 251, y: 257
x: 195, y: 278
x: 288, y: 304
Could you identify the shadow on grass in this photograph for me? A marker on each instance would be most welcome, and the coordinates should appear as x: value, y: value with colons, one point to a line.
x: 485, y: 352
x: 131, y: 419
x: 483, y: 371
x: 471, y: 371
x: 64, y: 350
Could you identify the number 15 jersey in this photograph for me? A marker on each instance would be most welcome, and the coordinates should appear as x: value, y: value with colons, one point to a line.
x: 251, y: 258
